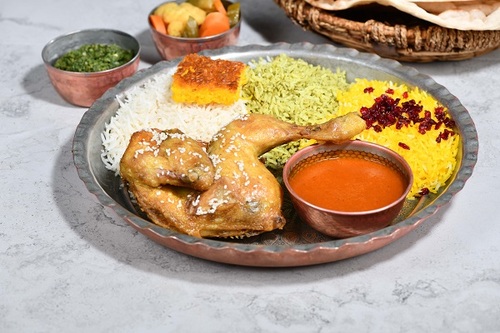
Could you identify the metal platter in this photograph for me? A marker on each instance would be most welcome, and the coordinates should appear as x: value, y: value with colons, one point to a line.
x: 297, y: 244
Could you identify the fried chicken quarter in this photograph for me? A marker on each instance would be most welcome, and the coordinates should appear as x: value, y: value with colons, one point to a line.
x: 223, y: 190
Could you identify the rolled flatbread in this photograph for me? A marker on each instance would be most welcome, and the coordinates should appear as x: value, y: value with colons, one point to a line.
x: 458, y: 14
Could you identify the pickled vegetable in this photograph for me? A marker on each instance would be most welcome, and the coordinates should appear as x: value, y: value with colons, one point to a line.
x: 219, y: 6
x: 233, y: 13
x: 158, y: 23
x: 189, y: 19
x: 206, y: 5
x: 215, y: 23
x: 191, y: 30
x: 175, y: 28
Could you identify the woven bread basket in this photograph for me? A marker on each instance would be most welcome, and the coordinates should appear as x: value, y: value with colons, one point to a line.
x: 391, y: 34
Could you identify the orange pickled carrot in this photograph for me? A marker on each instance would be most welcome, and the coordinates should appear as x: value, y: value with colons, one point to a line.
x: 158, y: 23
x: 220, y: 7
x: 215, y: 23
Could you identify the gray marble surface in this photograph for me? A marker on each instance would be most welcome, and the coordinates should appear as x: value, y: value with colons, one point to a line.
x: 68, y: 265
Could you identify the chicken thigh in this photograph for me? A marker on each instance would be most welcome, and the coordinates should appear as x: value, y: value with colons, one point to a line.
x: 222, y: 190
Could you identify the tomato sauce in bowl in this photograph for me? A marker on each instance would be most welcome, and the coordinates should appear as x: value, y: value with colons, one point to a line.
x: 349, y: 189
x: 349, y: 184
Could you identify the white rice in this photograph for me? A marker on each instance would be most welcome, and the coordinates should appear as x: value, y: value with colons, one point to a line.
x: 150, y: 106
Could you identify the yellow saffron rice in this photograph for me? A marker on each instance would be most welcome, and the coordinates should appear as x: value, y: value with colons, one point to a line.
x: 432, y: 163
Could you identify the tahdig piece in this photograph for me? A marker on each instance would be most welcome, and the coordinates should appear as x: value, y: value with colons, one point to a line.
x: 201, y: 80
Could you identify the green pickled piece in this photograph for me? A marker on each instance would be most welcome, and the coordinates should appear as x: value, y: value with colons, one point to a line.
x: 206, y: 5
x: 233, y: 13
x: 191, y: 29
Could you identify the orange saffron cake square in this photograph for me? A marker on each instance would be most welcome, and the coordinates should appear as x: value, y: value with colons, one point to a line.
x: 202, y: 80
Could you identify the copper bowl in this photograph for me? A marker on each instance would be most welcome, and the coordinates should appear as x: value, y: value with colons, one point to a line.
x: 340, y: 224
x: 82, y: 88
x: 170, y: 47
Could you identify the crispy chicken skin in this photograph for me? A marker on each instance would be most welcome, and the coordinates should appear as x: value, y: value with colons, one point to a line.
x: 157, y: 158
x: 222, y: 190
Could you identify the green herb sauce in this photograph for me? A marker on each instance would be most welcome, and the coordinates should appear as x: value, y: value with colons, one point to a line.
x: 94, y: 58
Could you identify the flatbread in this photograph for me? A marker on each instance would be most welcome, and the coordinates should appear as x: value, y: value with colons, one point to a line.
x: 460, y: 14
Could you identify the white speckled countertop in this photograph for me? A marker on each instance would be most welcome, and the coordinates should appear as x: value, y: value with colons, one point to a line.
x: 68, y: 265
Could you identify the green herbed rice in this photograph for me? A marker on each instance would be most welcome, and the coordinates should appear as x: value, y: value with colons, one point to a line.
x: 295, y: 91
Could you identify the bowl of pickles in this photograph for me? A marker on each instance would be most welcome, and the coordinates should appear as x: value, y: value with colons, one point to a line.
x: 183, y: 27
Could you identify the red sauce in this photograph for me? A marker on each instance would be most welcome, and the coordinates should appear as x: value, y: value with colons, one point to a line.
x: 348, y: 184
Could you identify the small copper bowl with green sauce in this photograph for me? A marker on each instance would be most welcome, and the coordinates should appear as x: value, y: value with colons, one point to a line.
x: 82, y: 88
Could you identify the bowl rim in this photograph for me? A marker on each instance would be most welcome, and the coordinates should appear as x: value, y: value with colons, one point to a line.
x: 49, y: 64
x: 309, y: 151
x: 193, y: 39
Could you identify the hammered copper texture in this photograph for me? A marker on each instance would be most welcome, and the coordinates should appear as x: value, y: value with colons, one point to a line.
x: 297, y: 244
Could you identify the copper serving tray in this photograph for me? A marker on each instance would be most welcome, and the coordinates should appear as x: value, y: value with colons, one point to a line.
x: 297, y: 244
